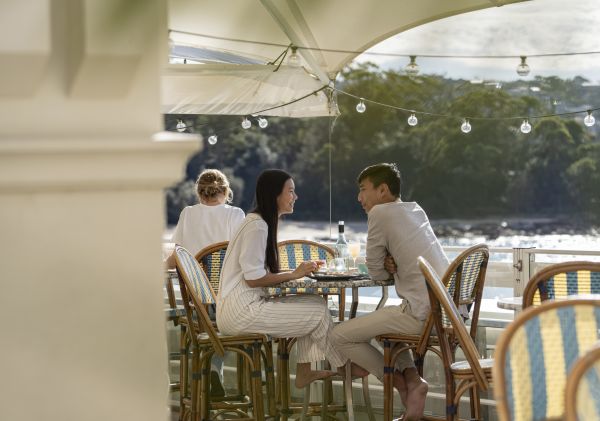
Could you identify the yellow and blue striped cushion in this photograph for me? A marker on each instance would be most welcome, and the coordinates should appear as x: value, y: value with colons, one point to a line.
x: 588, y: 394
x: 565, y: 284
x: 291, y: 255
x: 541, y: 353
x: 195, y: 275
x: 212, y: 264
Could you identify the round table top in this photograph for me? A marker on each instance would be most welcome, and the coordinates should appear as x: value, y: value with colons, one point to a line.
x: 510, y: 303
x: 345, y: 283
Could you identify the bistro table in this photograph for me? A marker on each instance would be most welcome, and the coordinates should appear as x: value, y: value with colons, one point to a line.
x: 510, y: 303
x: 307, y: 285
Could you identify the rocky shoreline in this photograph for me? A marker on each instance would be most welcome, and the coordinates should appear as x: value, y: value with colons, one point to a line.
x: 493, y: 228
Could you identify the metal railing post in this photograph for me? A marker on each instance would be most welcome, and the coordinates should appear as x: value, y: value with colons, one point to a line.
x: 522, y: 259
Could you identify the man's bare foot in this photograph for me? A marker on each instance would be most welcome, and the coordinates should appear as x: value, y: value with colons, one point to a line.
x: 304, y: 375
x: 355, y: 371
x: 416, y: 395
x: 400, y: 385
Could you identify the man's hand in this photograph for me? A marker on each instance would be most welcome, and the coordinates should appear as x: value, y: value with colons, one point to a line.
x: 389, y: 264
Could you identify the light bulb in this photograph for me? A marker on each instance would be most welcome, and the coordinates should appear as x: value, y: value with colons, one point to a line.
x: 525, y: 126
x: 412, y: 120
x: 212, y: 140
x: 262, y: 122
x: 465, y: 126
x: 181, y: 126
x: 294, y: 59
x: 589, y: 119
x: 523, y: 67
x: 361, y: 107
x: 412, y: 68
x: 246, y: 123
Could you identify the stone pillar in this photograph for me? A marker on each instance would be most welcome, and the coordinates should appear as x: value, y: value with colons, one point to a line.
x: 82, y: 209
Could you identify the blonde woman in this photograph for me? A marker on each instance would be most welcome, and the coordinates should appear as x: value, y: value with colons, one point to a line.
x: 212, y: 220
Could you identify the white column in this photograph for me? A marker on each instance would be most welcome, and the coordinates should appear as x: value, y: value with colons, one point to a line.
x: 82, y: 209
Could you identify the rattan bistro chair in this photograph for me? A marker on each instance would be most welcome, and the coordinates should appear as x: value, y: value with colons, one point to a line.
x: 536, y: 353
x: 582, y: 397
x: 561, y: 280
x: 472, y: 374
x: 464, y: 279
x: 293, y: 252
x: 211, y: 259
x: 196, y: 294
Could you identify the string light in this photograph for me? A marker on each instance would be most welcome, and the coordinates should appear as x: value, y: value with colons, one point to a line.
x: 246, y: 123
x: 412, y: 120
x: 412, y: 68
x: 589, y: 119
x: 262, y: 122
x: 181, y: 126
x: 523, y: 67
x: 294, y: 59
x: 361, y: 107
x: 465, y: 126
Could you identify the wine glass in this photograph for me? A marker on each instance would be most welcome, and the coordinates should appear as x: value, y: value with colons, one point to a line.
x: 354, y: 249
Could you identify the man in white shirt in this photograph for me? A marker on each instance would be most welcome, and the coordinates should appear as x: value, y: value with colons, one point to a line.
x: 398, y: 232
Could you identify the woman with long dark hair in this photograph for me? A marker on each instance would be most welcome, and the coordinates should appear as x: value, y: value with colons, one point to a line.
x: 252, y: 263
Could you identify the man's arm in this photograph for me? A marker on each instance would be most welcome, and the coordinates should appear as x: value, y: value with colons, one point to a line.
x: 376, y: 246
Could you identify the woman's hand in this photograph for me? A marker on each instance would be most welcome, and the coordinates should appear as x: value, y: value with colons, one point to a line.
x: 304, y: 269
x: 389, y: 264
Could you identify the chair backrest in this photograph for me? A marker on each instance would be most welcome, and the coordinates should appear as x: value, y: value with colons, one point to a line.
x: 464, y: 280
x: 440, y: 298
x: 582, y: 397
x: 196, y: 294
x: 211, y: 259
x: 467, y: 271
x: 535, y: 354
x: 562, y: 280
x: 294, y: 252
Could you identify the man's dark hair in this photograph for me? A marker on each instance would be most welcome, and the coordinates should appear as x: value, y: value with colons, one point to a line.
x: 383, y: 173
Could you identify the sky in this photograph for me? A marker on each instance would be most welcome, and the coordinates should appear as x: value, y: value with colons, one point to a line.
x: 531, y: 27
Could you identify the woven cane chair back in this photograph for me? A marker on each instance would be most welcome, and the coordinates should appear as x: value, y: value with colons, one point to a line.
x: 468, y: 272
x: 211, y: 259
x: 582, y: 397
x: 535, y: 354
x: 440, y: 298
x: 562, y: 280
x: 294, y: 252
x: 196, y: 294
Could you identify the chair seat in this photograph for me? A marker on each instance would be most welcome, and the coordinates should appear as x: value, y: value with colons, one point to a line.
x: 247, y: 338
x: 463, y: 367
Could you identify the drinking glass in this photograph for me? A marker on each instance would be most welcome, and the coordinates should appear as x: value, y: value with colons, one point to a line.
x: 354, y: 249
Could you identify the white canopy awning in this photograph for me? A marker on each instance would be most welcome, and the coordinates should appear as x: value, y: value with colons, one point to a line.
x: 329, y: 34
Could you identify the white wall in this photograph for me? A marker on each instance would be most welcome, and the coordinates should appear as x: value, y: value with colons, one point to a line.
x: 82, y: 210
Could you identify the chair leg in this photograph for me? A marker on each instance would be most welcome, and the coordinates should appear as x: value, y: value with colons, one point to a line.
x: 283, y: 377
x: 256, y: 377
x: 270, y: 379
x: 183, y: 371
x: 204, y: 395
x: 367, y: 398
x: 348, y: 390
x: 305, y: 403
x: 388, y: 388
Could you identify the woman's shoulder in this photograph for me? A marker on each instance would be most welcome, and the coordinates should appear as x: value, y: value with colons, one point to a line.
x: 233, y: 209
x: 256, y: 221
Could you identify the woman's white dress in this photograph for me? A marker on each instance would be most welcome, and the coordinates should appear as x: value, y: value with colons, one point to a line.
x: 241, y: 308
